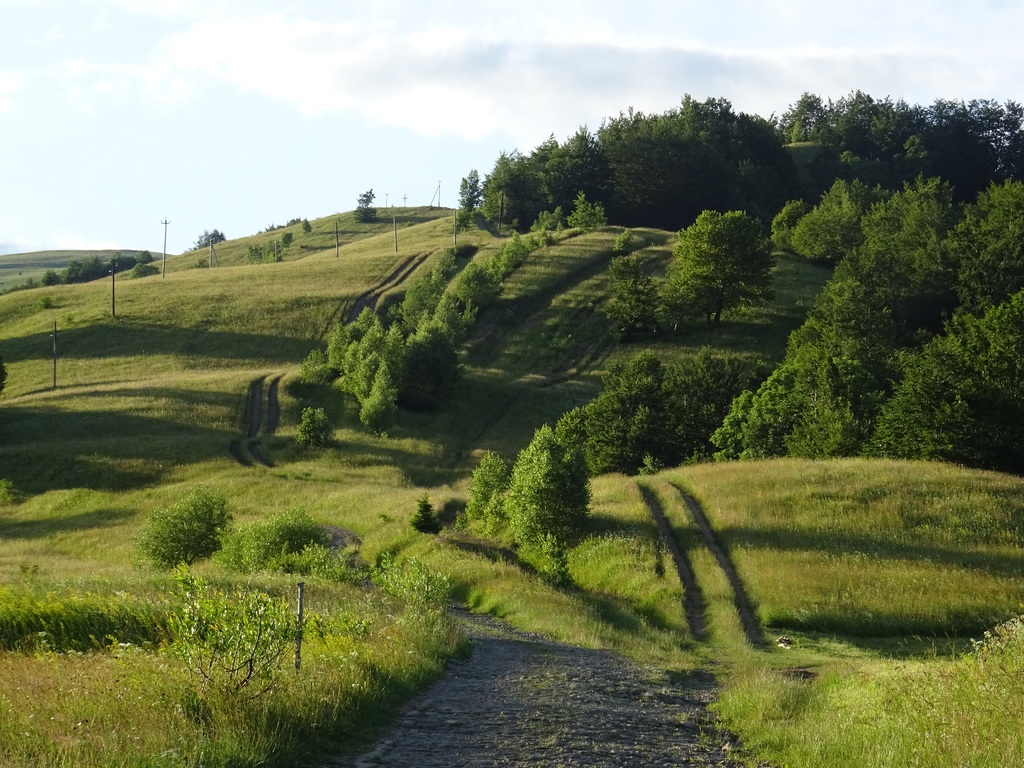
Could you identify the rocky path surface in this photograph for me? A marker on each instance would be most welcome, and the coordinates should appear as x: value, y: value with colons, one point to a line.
x: 522, y: 700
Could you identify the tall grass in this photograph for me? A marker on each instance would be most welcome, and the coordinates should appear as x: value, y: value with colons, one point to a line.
x: 870, y: 548
x: 930, y: 712
x: 127, y: 707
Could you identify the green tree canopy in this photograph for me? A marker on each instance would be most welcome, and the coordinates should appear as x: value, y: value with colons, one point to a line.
x: 722, y: 261
x: 549, y: 491
x: 633, y: 297
x: 365, y: 211
x: 962, y: 398
x: 629, y: 420
x: 988, y: 245
x: 471, y: 193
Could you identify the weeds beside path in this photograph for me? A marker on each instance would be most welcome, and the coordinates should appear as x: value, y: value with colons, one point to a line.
x: 522, y: 700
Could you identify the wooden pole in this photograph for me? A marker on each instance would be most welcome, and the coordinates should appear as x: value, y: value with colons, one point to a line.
x: 113, y: 271
x: 54, y: 354
x: 298, y: 635
x: 455, y: 227
x: 337, y: 242
x: 165, y: 222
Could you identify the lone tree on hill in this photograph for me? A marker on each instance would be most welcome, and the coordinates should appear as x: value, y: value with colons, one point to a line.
x: 207, y: 239
x: 365, y: 212
x: 722, y: 261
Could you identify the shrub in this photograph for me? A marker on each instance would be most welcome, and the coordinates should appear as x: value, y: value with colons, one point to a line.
x: 549, y: 491
x: 272, y: 545
x: 624, y: 243
x: 314, y: 429
x: 323, y: 561
x: 187, y: 531
x: 411, y: 581
x: 232, y: 643
x: 7, y: 493
x: 424, y: 520
x: 144, y: 270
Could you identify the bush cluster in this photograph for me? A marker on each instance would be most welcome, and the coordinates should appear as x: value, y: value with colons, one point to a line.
x: 189, y: 530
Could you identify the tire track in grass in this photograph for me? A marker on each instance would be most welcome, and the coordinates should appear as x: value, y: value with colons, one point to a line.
x: 748, y: 618
x: 395, y: 277
x: 246, y: 449
x: 693, y: 597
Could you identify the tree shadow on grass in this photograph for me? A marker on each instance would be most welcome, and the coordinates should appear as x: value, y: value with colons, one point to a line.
x: 40, y: 528
x: 43, y: 449
x: 122, y: 338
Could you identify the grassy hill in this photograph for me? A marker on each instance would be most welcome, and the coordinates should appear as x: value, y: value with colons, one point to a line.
x: 851, y: 559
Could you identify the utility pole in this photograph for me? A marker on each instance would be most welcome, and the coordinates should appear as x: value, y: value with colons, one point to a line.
x: 455, y: 227
x: 438, y: 193
x: 337, y: 242
x: 165, y: 222
x: 404, y: 205
x: 54, y: 354
x: 385, y: 199
x: 113, y: 272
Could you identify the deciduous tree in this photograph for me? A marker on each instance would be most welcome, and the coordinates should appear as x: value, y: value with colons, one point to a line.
x: 365, y: 212
x: 722, y: 261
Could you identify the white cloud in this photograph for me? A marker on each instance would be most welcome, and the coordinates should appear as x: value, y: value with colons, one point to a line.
x: 447, y: 80
x: 437, y: 70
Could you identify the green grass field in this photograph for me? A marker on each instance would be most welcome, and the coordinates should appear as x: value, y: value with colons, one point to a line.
x: 881, y: 572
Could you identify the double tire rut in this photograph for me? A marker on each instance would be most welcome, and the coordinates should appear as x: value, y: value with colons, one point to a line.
x: 247, y: 449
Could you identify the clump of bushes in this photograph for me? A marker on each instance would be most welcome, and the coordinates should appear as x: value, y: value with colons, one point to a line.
x: 189, y: 530
x: 291, y: 542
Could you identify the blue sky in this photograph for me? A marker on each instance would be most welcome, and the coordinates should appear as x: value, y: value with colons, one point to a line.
x: 115, y: 114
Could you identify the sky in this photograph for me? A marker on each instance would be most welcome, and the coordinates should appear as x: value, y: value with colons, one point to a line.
x: 118, y: 115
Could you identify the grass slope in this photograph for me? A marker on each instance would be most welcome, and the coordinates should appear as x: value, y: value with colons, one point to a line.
x: 850, y: 557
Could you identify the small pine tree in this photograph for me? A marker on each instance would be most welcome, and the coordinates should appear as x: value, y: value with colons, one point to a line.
x: 424, y: 520
x: 587, y: 216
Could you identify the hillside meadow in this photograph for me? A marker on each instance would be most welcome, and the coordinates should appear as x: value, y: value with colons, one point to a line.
x: 881, y: 572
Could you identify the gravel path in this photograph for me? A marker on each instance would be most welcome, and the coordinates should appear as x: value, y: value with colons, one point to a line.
x: 521, y: 700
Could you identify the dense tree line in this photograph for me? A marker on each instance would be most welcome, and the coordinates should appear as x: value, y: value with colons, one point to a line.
x: 658, y: 170
x: 663, y: 170
x: 915, y: 346
x: 86, y: 270
x: 890, y: 142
